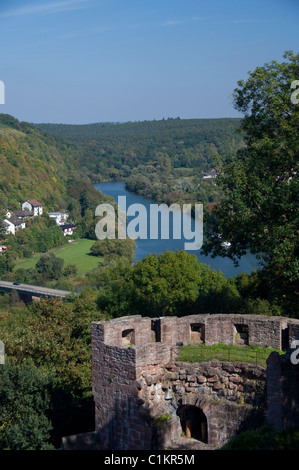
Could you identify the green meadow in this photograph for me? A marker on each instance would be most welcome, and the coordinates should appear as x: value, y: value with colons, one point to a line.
x: 77, y: 253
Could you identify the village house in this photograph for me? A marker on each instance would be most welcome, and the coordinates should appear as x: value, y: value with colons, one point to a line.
x: 59, y: 217
x: 22, y: 214
x: 14, y: 225
x: 209, y: 175
x: 32, y: 205
x: 68, y: 229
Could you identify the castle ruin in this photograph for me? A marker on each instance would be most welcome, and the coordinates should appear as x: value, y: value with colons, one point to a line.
x: 145, y: 399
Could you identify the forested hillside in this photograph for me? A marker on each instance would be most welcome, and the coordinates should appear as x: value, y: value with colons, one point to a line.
x: 179, y: 143
x: 162, y: 160
x: 36, y: 165
x: 33, y: 165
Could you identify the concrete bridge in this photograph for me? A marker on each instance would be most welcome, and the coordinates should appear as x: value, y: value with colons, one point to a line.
x: 31, y: 291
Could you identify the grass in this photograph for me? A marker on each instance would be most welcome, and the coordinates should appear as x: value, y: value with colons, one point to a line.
x: 223, y: 352
x: 77, y: 253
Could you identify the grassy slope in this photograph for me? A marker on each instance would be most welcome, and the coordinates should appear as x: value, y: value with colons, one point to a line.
x: 77, y: 253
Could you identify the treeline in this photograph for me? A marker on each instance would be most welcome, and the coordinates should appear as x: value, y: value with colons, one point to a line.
x: 162, y: 160
x: 174, y: 186
x: 174, y: 283
x: 113, y: 150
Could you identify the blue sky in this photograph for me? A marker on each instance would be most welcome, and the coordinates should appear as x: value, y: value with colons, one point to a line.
x: 83, y: 61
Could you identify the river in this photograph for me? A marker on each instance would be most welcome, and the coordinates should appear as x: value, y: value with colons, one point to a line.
x: 247, y: 263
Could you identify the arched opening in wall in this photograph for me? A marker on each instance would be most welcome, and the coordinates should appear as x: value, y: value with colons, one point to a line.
x: 197, y: 332
x: 241, y: 334
x: 194, y: 422
x: 128, y: 337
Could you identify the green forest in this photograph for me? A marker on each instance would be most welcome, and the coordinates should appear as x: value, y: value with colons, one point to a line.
x: 252, y: 202
x: 163, y: 160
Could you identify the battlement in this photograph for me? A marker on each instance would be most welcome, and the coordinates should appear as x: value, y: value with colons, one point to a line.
x: 135, y: 331
x: 136, y: 379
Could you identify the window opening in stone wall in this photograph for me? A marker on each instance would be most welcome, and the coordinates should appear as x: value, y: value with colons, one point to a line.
x: 194, y: 422
x: 197, y: 332
x: 128, y: 337
x: 241, y: 334
x: 156, y: 328
x: 285, y: 340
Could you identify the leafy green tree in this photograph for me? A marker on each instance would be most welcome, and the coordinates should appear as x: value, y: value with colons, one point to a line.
x: 168, y: 284
x: 24, y: 408
x: 49, y: 267
x: 259, y: 211
x: 70, y: 270
x: 55, y: 337
x: 111, y: 248
x: 116, y: 289
x: 6, y: 264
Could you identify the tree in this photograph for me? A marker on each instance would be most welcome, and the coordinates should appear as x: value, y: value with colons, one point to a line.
x: 6, y: 264
x: 70, y: 270
x: 168, y: 284
x: 54, y: 337
x: 49, y: 266
x: 109, y: 248
x: 260, y: 183
x: 24, y: 405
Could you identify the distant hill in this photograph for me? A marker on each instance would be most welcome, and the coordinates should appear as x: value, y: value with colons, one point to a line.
x: 189, y: 143
x: 33, y: 165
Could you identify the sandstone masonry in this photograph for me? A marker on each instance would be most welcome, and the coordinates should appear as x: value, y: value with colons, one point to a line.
x: 145, y: 399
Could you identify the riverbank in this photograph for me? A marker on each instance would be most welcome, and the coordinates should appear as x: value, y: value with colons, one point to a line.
x: 248, y: 263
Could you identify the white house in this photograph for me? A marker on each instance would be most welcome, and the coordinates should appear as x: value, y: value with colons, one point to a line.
x: 10, y: 228
x: 32, y: 205
x: 68, y: 229
x: 14, y: 225
x: 59, y: 217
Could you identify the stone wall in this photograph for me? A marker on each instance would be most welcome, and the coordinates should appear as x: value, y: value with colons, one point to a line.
x: 232, y: 329
x: 283, y: 391
x: 230, y: 395
x: 145, y: 399
x: 119, y: 414
x: 139, y: 389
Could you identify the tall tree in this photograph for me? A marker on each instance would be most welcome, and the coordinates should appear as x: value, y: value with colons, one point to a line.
x: 49, y: 266
x: 260, y: 183
x: 24, y: 405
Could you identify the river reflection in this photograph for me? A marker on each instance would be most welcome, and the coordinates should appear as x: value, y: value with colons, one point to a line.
x: 146, y: 246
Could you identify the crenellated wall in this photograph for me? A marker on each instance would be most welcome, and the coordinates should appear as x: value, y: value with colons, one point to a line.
x: 141, y: 392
